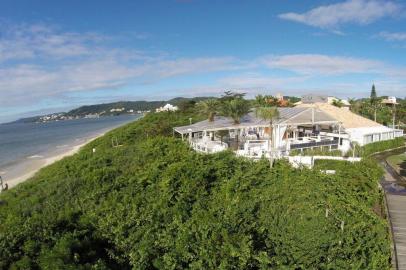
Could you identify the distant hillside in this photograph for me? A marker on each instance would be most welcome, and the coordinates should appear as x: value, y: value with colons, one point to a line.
x: 109, y: 109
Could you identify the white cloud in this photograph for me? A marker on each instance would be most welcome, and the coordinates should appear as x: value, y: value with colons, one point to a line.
x: 25, y: 42
x: 43, y: 64
x: 40, y: 62
x: 360, y: 12
x: 394, y: 36
x: 318, y: 64
x: 258, y: 81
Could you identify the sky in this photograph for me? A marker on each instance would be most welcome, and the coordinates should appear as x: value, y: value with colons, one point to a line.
x: 58, y: 55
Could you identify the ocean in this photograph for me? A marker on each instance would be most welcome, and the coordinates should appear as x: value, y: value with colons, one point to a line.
x: 22, y: 142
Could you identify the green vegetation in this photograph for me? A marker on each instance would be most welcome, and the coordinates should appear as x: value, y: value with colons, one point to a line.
x: 338, y: 103
x: 377, y: 147
x: 316, y: 152
x: 234, y: 105
x: 398, y: 162
x: 373, y: 109
x: 208, y: 108
x: 154, y: 204
x: 184, y: 104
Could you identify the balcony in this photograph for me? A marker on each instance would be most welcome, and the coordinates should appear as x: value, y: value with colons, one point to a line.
x: 208, y: 146
x: 310, y: 142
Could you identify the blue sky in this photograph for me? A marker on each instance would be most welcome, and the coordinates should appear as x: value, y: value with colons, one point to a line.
x: 56, y: 55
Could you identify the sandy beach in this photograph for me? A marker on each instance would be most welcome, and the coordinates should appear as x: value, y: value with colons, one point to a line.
x: 30, y: 167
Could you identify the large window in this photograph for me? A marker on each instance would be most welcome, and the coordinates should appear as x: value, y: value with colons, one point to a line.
x: 368, y: 139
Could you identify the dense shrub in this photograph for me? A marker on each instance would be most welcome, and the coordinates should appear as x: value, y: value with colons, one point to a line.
x: 151, y: 203
x: 316, y: 152
x: 376, y: 147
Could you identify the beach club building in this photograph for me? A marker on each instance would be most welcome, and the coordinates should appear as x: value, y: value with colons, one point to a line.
x: 317, y: 125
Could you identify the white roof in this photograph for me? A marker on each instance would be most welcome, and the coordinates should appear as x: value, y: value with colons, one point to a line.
x: 295, y: 116
x: 169, y: 106
x: 346, y: 117
x: 369, y: 130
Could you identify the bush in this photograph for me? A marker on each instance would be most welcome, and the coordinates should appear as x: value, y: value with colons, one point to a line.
x: 154, y: 204
x: 377, y: 147
x: 315, y: 152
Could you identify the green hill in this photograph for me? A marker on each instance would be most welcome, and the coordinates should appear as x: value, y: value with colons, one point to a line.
x: 152, y: 203
x: 109, y: 109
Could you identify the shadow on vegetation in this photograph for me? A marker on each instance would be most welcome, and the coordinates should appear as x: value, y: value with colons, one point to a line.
x: 402, y: 167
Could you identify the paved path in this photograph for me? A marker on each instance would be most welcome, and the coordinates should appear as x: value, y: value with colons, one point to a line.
x: 396, y: 202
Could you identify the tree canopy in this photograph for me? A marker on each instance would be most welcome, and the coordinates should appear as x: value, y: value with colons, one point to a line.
x: 152, y: 203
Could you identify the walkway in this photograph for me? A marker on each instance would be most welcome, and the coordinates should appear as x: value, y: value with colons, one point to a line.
x: 396, y: 202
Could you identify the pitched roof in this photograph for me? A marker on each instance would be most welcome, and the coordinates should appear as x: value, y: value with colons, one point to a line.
x: 294, y: 115
x: 344, y: 116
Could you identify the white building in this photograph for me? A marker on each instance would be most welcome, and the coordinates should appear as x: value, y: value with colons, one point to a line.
x: 355, y: 127
x: 390, y: 101
x: 307, y: 126
x: 117, y: 110
x: 167, y: 108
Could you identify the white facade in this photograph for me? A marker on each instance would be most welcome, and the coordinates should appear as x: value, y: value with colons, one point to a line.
x: 389, y: 100
x: 368, y: 135
x: 167, y: 108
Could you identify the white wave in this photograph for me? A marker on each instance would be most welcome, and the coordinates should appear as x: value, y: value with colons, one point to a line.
x: 35, y: 156
x: 62, y: 146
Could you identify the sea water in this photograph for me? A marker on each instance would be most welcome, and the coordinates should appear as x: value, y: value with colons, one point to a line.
x: 20, y: 142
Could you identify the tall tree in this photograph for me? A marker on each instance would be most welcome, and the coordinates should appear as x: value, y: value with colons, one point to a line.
x: 337, y: 103
x: 373, y: 93
x: 208, y: 108
x: 374, y: 100
x: 236, y: 108
x: 268, y: 114
x: 266, y: 101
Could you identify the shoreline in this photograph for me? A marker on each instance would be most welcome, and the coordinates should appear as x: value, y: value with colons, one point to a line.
x: 38, y: 164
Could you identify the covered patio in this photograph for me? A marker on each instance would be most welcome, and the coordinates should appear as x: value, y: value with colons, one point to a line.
x: 295, y: 128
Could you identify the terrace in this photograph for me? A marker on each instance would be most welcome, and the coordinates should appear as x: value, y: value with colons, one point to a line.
x: 295, y: 128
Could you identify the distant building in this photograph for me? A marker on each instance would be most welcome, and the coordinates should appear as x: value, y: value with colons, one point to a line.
x: 167, y: 108
x: 314, y: 98
x: 389, y: 101
x: 117, y: 110
x: 92, y: 115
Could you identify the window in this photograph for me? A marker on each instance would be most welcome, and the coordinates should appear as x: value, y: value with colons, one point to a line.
x: 368, y: 139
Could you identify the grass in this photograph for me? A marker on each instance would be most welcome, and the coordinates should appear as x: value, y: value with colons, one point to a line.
x: 398, y: 162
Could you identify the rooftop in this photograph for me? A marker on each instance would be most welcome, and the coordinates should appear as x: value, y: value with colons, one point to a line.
x: 296, y: 115
x: 347, y: 118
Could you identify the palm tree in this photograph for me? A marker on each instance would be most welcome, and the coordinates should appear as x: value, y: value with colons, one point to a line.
x: 236, y: 108
x: 222, y: 134
x: 268, y: 114
x: 209, y: 108
x: 354, y: 105
x: 338, y: 103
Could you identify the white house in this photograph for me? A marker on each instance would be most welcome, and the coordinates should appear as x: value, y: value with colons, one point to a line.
x: 390, y: 101
x: 355, y: 127
x: 307, y: 126
x: 167, y: 108
x: 294, y: 129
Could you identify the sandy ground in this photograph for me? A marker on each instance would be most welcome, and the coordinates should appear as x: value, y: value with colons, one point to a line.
x: 32, y: 167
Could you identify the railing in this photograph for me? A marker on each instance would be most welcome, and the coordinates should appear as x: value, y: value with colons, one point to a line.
x: 208, y: 146
x: 314, y: 144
